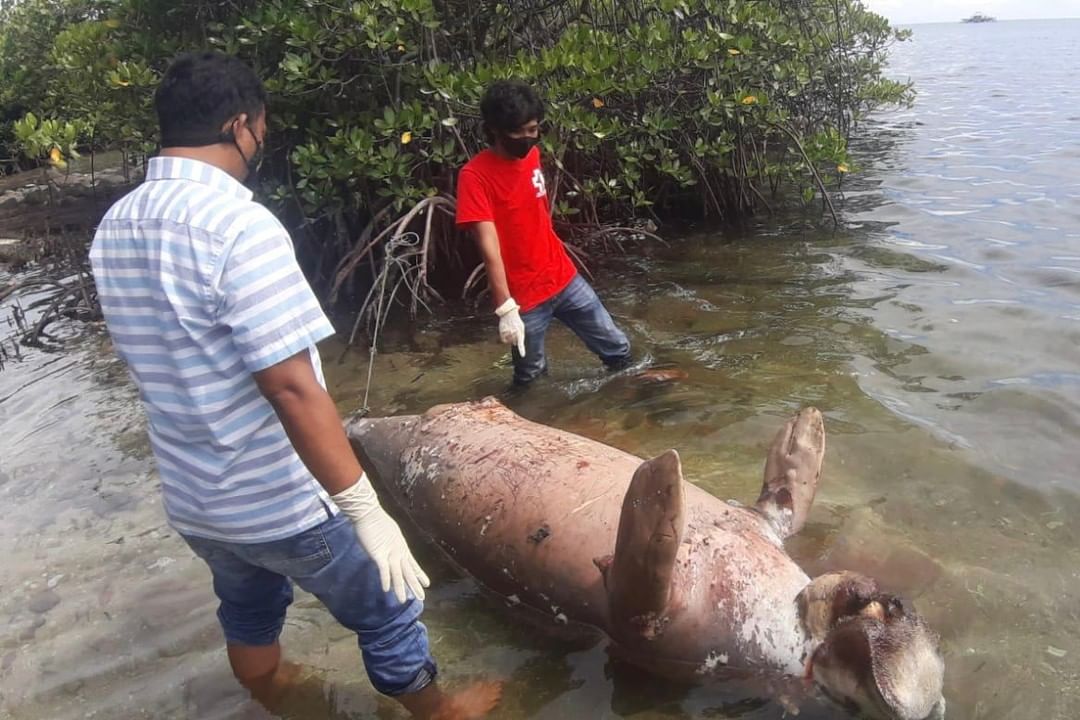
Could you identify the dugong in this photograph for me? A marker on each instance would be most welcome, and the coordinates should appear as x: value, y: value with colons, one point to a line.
x: 683, y: 584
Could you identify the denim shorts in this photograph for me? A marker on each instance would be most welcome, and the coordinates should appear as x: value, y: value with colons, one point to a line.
x: 254, y: 584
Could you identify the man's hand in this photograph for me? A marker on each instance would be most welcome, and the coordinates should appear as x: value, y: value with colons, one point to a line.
x: 511, y: 326
x: 382, y: 539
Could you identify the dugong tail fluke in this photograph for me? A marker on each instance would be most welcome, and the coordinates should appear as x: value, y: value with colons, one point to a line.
x: 792, y: 471
x: 638, y: 576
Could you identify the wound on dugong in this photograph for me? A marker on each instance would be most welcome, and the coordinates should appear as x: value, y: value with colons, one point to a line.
x: 542, y: 534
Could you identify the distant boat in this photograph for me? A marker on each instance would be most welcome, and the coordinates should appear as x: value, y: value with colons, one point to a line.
x: 979, y: 18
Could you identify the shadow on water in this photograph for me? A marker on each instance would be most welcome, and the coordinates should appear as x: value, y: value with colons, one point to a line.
x: 937, y: 332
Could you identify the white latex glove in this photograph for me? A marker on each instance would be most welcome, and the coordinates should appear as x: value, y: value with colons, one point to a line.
x: 382, y: 539
x: 511, y: 327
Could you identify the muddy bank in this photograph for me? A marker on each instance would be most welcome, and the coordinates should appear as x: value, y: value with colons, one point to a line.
x: 47, y: 219
x: 40, y: 204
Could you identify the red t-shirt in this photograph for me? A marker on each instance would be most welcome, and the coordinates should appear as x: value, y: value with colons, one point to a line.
x: 512, y: 194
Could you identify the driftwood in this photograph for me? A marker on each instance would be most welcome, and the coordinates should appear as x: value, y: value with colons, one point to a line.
x: 58, y: 285
x: 71, y: 297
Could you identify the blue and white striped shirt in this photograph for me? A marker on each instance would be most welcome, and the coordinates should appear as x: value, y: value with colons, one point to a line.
x: 200, y: 288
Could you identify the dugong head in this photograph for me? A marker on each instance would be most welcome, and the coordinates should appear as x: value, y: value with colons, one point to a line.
x: 875, y: 654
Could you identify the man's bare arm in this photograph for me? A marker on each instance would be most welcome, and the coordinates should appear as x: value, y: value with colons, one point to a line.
x: 487, y: 239
x: 311, y: 421
x: 314, y: 427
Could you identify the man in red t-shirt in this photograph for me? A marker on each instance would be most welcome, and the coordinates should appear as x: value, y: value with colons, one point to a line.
x: 502, y: 199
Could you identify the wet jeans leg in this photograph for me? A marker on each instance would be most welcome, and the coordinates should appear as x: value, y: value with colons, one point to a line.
x: 579, y: 308
x: 393, y: 641
x: 534, y: 364
x: 253, y: 599
x: 252, y: 581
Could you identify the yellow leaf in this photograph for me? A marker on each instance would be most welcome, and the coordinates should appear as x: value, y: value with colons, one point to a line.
x: 733, y: 51
x: 842, y: 168
x: 749, y: 100
x: 112, y: 23
x: 122, y: 83
x: 57, y: 158
x: 597, y: 103
x: 406, y: 137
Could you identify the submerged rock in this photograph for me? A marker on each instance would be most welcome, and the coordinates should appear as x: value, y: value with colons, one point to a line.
x: 42, y: 602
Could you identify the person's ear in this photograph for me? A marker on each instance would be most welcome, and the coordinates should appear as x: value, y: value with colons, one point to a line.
x: 231, y: 124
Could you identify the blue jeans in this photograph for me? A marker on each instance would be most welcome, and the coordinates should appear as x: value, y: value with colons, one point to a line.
x: 577, y: 307
x: 253, y: 583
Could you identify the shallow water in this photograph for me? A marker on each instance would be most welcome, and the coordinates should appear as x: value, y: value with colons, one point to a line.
x: 936, y: 332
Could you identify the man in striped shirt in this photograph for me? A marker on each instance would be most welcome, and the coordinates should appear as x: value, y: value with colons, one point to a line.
x: 206, y: 304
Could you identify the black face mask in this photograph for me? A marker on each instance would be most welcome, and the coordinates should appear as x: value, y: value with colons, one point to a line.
x: 519, y: 147
x: 254, y: 162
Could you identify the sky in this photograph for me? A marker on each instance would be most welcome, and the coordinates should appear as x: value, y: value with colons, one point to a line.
x: 919, y: 11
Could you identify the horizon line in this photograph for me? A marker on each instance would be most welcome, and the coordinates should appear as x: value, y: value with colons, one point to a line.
x: 961, y: 20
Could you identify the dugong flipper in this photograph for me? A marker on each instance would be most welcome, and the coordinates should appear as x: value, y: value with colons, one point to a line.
x: 638, y: 577
x: 792, y: 471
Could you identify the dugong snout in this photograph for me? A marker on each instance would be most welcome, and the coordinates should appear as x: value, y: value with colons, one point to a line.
x: 876, y: 654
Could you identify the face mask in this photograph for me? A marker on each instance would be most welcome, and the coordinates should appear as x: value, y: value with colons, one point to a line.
x: 519, y: 147
x: 254, y: 162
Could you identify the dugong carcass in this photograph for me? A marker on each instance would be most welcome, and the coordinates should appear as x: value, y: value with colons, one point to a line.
x: 683, y: 583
